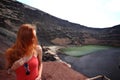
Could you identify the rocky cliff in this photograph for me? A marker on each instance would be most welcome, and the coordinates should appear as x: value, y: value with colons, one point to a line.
x: 50, y: 29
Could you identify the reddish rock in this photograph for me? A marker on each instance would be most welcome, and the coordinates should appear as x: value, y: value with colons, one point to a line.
x: 5, y: 76
x: 51, y: 71
x: 60, y: 71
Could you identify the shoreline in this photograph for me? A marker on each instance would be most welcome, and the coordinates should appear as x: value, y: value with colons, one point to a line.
x: 104, y: 62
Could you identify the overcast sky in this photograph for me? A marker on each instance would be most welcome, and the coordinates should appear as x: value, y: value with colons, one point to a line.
x: 91, y: 13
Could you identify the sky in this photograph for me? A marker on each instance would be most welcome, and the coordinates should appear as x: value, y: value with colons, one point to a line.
x: 91, y: 13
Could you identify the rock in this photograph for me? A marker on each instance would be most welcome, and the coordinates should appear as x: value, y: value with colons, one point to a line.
x: 59, y: 71
x: 48, y: 57
x: 2, y: 61
x: 61, y: 41
x: 5, y: 76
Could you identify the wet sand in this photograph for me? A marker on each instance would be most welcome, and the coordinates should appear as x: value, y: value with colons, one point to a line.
x: 104, y: 62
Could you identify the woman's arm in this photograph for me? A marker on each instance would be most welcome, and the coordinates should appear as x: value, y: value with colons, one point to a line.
x: 18, y: 63
x: 39, y: 51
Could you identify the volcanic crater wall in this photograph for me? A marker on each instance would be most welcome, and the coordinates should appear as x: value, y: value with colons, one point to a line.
x: 50, y: 29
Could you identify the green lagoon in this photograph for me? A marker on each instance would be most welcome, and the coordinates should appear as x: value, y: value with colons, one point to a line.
x: 83, y: 50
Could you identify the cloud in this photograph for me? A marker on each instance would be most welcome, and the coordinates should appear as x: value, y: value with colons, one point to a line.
x: 113, y: 5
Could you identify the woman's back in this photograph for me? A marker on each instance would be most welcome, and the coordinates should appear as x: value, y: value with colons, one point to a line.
x: 32, y: 66
x: 21, y: 56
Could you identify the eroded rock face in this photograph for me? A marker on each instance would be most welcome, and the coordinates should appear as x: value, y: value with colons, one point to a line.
x: 50, y: 30
x: 61, y: 41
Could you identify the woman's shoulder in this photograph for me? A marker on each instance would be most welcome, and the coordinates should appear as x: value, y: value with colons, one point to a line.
x: 38, y: 47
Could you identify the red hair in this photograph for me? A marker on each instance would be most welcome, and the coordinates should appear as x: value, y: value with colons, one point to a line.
x: 25, y: 44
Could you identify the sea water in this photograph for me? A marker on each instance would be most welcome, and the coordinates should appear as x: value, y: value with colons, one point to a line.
x: 83, y: 50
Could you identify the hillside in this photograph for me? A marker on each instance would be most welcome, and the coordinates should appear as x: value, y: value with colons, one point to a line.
x: 50, y: 29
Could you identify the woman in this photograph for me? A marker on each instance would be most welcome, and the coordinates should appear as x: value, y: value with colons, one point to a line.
x: 25, y: 56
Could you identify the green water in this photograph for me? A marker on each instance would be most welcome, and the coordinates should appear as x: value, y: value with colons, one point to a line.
x: 82, y: 50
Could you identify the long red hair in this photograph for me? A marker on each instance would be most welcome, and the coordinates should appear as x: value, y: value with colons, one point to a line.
x: 25, y: 44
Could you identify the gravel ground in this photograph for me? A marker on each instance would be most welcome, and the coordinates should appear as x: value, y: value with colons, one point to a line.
x: 104, y: 62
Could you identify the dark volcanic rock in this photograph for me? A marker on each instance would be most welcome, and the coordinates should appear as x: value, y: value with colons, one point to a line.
x: 50, y: 30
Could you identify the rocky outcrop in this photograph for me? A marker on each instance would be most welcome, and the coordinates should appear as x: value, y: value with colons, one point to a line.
x: 47, y: 55
x: 61, y: 41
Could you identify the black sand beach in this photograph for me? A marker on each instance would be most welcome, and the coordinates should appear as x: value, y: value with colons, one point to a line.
x: 104, y: 62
